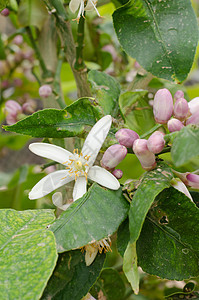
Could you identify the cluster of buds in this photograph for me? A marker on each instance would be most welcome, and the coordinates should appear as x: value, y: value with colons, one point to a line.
x: 176, y: 114
x: 15, y: 112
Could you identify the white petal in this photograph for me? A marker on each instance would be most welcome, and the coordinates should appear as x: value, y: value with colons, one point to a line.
x: 96, y: 138
x: 194, y: 105
x: 79, y: 188
x: 180, y: 186
x: 49, y: 151
x: 50, y: 183
x: 57, y: 199
x: 74, y: 4
x: 103, y: 177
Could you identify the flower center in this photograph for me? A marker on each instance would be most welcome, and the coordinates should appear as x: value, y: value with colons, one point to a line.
x: 77, y: 164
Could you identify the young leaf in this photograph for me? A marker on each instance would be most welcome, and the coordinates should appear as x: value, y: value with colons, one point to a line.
x: 168, y: 244
x: 55, y: 123
x: 27, y: 253
x: 161, y: 35
x: 152, y: 184
x: 93, y: 217
x: 71, y: 272
x: 185, y: 145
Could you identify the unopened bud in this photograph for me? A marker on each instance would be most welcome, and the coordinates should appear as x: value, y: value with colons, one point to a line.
x: 156, y: 142
x: 126, y: 137
x: 146, y: 157
x: 12, y: 107
x: 194, y: 119
x: 193, y: 180
x: 45, y: 91
x: 117, y: 173
x: 113, y: 156
x: 181, y: 108
x: 179, y: 94
x: 18, y: 39
x: 5, y: 12
x: 162, y: 106
x: 194, y: 105
x: 174, y: 125
x: 29, y: 107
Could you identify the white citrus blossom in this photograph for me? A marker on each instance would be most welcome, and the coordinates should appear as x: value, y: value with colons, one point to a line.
x: 79, y: 166
x: 82, y: 5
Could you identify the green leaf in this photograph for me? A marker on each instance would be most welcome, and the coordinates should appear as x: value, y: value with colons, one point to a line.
x: 55, y: 123
x: 2, y: 50
x: 123, y: 237
x: 152, y: 184
x: 136, y: 111
x: 72, y: 279
x: 3, y: 4
x: 27, y: 253
x: 130, y: 267
x: 32, y: 12
x: 161, y: 35
x: 168, y: 244
x: 93, y: 217
x: 107, y: 91
x: 111, y: 284
x: 185, y: 145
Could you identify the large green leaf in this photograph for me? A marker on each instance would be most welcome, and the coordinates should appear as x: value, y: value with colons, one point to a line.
x: 137, y: 113
x: 32, y: 12
x: 161, y: 35
x: 107, y: 91
x: 27, y: 253
x: 72, y: 279
x: 168, y: 245
x: 185, y: 145
x: 152, y: 184
x: 55, y: 123
x: 93, y: 217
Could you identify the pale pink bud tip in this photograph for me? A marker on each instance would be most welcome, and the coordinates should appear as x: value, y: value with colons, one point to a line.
x: 194, y: 105
x: 146, y: 157
x: 194, y: 119
x: 117, y: 173
x: 156, y: 142
x: 45, y: 91
x: 12, y: 107
x: 126, y: 137
x: 113, y: 156
x: 174, y: 125
x: 162, y: 106
x: 18, y: 39
x: 193, y: 180
x: 181, y: 108
x: 5, y: 12
x: 179, y: 94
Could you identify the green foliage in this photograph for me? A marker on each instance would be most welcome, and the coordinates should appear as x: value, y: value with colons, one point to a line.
x: 71, y: 272
x: 3, y: 4
x: 93, y: 217
x: 27, y: 248
x: 55, y: 123
x: 161, y: 35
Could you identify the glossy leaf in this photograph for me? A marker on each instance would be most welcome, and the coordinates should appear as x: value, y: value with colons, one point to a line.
x: 136, y: 111
x: 72, y: 279
x: 152, y: 184
x: 107, y: 91
x: 32, y: 12
x: 185, y: 145
x: 161, y: 35
x: 123, y: 237
x: 27, y: 248
x: 93, y: 217
x: 55, y: 123
x: 168, y: 244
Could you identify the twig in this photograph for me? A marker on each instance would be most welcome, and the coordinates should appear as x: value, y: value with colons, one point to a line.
x: 79, y: 63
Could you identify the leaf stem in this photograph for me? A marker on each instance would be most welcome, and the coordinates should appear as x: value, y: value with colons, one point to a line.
x: 79, y: 63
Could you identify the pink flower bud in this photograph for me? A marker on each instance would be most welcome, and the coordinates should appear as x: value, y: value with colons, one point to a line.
x: 5, y: 12
x: 146, y: 158
x: 17, y: 82
x: 162, y: 106
x: 117, y: 173
x: 126, y: 137
x: 174, y: 125
x: 12, y: 107
x: 45, y: 91
x: 193, y: 180
x: 29, y: 107
x: 181, y: 108
x: 179, y: 94
x: 156, y: 142
x: 194, y: 119
x: 11, y: 119
x: 194, y: 105
x: 113, y: 156
x: 18, y: 39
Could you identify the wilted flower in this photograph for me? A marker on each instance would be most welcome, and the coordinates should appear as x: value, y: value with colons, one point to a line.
x: 79, y: 166
x: 92, y: 249
x: 113, y: 156
x: 162, y: 106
